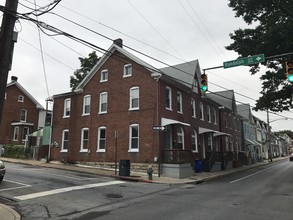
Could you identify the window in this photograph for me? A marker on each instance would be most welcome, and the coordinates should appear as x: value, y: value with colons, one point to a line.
x: 179, y: 102
x: 15, y: 133
x: 127, y: 71
x: 134, y: 138
x: 65, y: 138
x: 134, y: 98
x: 25, y: 132
x: 66, y: 111
x: 103, y: 102
x: 20, y: 98
x: 5, y: 95
x: 210, y: 142
x: 104, y: 76
x: 102, y: 139
x: 208, y: 113
x: 168, y: 98
x: 194, y: 146
x: 180, y: 138
x: 201, y: 111
x: 214, y: 116
x: 86, y: 105
x: 84, y: 140
x: 23, y: 115
x: 193, y: 111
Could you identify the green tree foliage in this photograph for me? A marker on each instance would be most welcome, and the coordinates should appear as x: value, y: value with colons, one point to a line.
x: 288, y: 132
x: 86, y: 64
x: 271, y: 33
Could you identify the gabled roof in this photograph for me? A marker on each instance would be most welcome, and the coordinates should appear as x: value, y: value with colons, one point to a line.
x: 224, y: 98
x: 244, y: 111
x: 14, y: 82
x: 184, y: 73
x: 114, y: 47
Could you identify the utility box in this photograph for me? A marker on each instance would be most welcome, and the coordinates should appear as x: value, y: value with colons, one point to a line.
x: 124, y: 168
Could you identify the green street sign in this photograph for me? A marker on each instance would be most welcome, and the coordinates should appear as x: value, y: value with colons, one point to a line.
x: 245, y: 61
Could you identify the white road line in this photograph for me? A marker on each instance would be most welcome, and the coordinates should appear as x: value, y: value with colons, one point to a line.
x: 12, y: 188
x: 67, y: 189
x: 245, y: 177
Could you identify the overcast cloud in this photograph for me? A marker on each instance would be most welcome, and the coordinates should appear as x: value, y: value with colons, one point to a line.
x: 172, y: 31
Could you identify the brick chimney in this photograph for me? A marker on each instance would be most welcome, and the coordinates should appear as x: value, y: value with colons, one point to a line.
x: 118, y: 42
x: 14, y: 78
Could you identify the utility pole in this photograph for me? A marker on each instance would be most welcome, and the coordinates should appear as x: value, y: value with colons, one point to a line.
x: 6, y: 46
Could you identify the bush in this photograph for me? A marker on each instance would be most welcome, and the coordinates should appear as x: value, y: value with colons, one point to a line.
x: 14, y: 151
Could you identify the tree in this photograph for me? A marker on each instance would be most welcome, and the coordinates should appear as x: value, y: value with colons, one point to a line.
x: 86, y: 65
x: 271, y: 34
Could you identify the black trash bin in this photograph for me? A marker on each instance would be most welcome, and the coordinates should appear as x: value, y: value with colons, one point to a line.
x: 198, y: 166
x: 124, y: 168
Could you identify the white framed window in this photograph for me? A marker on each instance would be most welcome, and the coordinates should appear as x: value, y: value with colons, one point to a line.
x: 86, y: 105
x: 23, y: 115
x: 103, y: 103
x: 193, y: 111
x: 20, y: 98
x: 180, y: 138
x: 201, y: 111
x: 16, y: 133
x: 104, y: 76
x: 134, y: 98
x: 179, y: 102
x: 210, y: 142
x: 65, y: 139
x: 194, y: 146
x: 127, y: 70
x: 134, y: 138
x: 208, y: 113
x: 25, y: 132
x: 168, y: 98
x: 101, y: 139
x: 214, y: 116
x: 66, y: 110
x: 84, y: 144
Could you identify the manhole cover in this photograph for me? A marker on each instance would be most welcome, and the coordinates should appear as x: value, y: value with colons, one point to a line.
x: 114, y: 196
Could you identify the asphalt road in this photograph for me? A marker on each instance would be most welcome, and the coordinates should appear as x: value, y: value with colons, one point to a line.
x: 41, y: 193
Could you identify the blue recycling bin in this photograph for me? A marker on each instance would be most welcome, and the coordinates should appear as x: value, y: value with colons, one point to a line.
x: 198, y: 166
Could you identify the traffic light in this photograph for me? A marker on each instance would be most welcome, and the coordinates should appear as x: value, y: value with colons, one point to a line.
x: 289, y: 70
x: 204, y: 82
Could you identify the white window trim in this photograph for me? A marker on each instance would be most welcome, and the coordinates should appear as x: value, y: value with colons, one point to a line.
x: 209, y: 114
x: 201, y: 111
x: 130, y: 98
x: 130, y: 137
x: 83, y: 106
x: 102, y: 73
x: 25, y: 115
x: 181, y: 134
x: 100, y: 105
x: 14, y: 132
x: 62, y: 146
x: 20, y: 98
x: 98, y: 144
x: 180, y: 103
x: 215, y: 115
x: 28, y: 130
x: 124, y: 70
x: 170, y: 102
x: 81, y: 140
x: 193, y: 108
x: 65, y: 105
x: 194, y: 136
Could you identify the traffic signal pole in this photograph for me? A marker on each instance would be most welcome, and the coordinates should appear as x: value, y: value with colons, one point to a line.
x: 6, y: 46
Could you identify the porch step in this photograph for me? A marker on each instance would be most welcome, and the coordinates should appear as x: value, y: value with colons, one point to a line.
x: 216, y: 167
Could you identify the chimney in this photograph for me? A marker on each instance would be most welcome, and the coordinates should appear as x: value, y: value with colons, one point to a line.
x: 14, y: 78
x: 118, y: 42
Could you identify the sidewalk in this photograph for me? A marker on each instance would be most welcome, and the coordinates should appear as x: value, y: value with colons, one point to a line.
x: 6, y: 213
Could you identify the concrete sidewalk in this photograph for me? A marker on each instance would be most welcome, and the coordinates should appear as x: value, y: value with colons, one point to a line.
x: 7, y: 213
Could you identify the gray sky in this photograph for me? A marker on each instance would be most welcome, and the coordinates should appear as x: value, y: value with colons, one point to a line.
x: 172, y: 31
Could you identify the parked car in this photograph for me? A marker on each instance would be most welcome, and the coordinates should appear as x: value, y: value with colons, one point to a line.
x: 2, y: 170
x: 291, y: 157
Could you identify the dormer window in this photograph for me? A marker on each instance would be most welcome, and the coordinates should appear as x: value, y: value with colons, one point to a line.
x: 127, y: 70
x: 20, y: 98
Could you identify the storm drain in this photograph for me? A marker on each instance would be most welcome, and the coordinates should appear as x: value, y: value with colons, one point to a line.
x: 113, y: 196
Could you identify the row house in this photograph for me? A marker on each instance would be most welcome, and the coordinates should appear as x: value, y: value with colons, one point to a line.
x: 125, y: 109
x: 22, y: 114
x: 263, y: 149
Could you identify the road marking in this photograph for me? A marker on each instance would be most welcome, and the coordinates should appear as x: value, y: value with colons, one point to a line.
x: 245, y: 177
x: 12, y: 188
x: 67, y: 189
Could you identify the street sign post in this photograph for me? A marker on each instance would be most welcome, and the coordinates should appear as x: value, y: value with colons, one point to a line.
x: 245, y: 61
x: 159, y: 128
